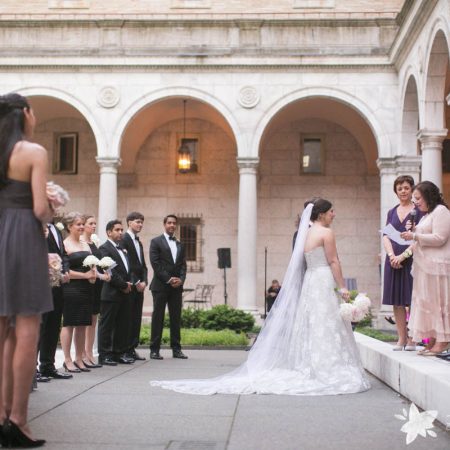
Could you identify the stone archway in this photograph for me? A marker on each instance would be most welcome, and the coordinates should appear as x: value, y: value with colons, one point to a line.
x: 61, y: 128
x: 206, y: 199
x: 347, y: 175
x: 410, y: 118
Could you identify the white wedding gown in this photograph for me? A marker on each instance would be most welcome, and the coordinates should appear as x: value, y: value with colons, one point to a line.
x: 305, y: 347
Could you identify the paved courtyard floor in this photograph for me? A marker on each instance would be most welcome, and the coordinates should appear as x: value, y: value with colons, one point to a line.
x: 116, y: 408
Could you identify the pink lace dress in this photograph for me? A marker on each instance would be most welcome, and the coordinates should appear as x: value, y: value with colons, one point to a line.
x: 430, y: 312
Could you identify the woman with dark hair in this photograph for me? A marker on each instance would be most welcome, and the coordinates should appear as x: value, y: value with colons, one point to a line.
x: 304, y: 347
x: 397, y: 282
x: 24, y: 280
x: 430, y: 315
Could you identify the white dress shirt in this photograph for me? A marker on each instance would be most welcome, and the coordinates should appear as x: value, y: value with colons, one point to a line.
x: 136, y: 244
x: 173, y: 246
x: 122, y: 255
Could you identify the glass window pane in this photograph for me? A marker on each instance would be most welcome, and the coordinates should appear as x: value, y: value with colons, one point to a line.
x: 312, y: 155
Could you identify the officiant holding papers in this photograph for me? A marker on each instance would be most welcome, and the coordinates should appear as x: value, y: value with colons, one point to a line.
x: 397, y: 288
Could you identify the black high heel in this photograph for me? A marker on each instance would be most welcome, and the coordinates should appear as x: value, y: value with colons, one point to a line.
x: 16, y: 438
x: 71, y: 370
x: 82, y: 369
x: 91, y: 364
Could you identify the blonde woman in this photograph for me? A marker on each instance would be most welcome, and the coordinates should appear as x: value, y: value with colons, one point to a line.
x: 78, y: 294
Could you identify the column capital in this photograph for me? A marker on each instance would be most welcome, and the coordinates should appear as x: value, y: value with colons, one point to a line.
x: 387, y: 166
x: 408, y: 163
x: 429, y: 136
x: 248, y: 165
x: 108, y: 164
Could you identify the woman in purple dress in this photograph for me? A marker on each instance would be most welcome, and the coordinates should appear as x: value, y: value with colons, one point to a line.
x: 397, y: 276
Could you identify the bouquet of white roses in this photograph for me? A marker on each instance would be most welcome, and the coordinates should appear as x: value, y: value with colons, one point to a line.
x: 91, y: 261
x: 107, y: 264
x: 357, y: 308
x: 56, y: 195
x: 54, y: 269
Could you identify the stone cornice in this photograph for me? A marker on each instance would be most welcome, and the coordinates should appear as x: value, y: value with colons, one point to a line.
x: 411, y: 27
x: 70, y: 67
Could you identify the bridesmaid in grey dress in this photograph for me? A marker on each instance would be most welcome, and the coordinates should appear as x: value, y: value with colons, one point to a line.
x: 24, y: 281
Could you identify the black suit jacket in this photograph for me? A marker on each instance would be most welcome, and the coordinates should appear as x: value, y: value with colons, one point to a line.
x: 60, y: 250
x: 138, y: 270
x: 163, y: 266
x: 112, y: 291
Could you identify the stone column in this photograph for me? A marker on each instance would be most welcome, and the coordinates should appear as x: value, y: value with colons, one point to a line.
x: 247, y: 229
x: 431, y: 145
x: 409, y: 165
x: 388, y: 174
x: 107, y: 195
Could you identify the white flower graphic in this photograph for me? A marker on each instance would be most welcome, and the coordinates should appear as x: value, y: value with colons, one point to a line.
x: 419, y: 423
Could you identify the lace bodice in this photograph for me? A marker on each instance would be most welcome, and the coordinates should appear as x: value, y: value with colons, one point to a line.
x: 316, y: 258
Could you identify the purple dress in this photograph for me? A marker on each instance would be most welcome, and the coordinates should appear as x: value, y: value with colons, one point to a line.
x: 397, y: 287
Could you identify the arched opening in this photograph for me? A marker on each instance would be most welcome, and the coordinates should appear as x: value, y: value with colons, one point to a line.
x: 437, y: 74
x: 320, y: 146
x: 437, y: 115
x: 410, y: 119
x: 69, y: 139
x: 205, y: 199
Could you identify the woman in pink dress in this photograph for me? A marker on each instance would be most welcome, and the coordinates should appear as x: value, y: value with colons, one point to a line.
x: 430, y: 315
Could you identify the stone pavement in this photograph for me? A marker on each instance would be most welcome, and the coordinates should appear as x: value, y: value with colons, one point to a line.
x: 116, y: 408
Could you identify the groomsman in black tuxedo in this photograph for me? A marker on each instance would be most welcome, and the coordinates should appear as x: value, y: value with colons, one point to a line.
x: 168, y: 260
x: 114, y: 325
x: 51, y: 321
x: 133, y: 246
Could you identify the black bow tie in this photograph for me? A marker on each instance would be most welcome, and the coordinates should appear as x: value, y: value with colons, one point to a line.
x: 172, y: 238
x: 136, y: 238
x: 118, y: 247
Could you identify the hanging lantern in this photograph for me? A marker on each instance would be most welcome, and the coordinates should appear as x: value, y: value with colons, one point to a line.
x: 184, y: 152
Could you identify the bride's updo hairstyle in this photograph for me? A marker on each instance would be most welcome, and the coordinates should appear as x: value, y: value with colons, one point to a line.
x: 321, y: 206
x: 12, y: 127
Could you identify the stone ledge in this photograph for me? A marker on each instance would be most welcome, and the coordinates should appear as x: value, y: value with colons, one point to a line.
x: 424, y: 381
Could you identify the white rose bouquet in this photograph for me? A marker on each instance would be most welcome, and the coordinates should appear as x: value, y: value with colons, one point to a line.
x: 56, y: 195
x: 54, y: 269
x: 357, y: 308
x: 91, y: 261
x: 107, y: 264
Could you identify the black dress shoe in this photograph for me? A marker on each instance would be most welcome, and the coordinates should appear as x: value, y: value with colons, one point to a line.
x: 41, y: 378
x: 179, y: 354
x: 124, y: 360
x: 155, y: 355
x: 136, y: 356
x: 53, y: 373
x: 107, y: 362
x: 14, y: 437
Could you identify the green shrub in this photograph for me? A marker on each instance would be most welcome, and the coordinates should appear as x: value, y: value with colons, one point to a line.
x: 222, y: 317
x: 198, y: 336
x: 219, y: 317
x: 376, y: 334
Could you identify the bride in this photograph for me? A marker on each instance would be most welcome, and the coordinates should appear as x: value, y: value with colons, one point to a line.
x: 304, y: 347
